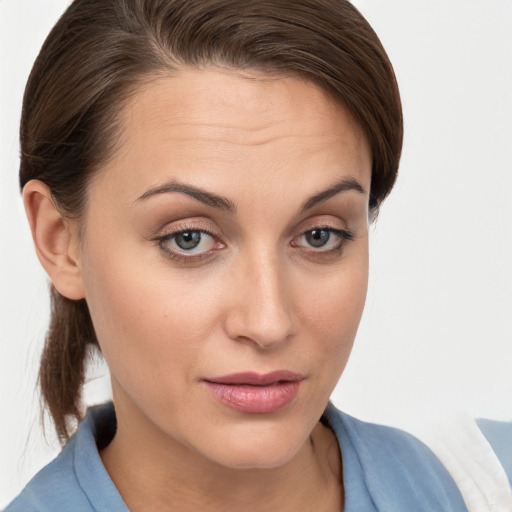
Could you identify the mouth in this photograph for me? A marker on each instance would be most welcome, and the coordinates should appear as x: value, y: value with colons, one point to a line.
x: 255, y: 393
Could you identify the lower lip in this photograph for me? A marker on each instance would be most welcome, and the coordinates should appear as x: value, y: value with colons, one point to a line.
x: 255, y: 399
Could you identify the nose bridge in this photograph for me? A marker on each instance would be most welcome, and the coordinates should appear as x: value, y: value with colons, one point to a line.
x: 263, y: 312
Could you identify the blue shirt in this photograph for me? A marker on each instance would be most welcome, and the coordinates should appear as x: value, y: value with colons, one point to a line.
x: 384, y: 470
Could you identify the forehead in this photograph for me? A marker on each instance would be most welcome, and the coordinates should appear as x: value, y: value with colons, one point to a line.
x: 242, y: 104
x: 218, y: 125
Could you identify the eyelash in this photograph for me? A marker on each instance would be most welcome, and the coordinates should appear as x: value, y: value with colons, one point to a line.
x: 344, y: 236
x: 162, y: 242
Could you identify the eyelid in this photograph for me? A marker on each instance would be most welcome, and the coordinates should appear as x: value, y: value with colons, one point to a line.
x: 187, y: 224
x: 333, y: 221
x: 173, y: 232
x: 345, y: 234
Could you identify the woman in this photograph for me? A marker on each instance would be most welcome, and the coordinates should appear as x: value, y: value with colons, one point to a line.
x: 198, y: 177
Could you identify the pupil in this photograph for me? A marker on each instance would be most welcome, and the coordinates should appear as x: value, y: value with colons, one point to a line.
x: 188, y: 239
x: 318, y: 237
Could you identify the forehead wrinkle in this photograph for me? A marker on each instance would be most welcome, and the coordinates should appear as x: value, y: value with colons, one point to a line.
x: 256, y: 126
x: 261, y: 141
x: 171, y: 131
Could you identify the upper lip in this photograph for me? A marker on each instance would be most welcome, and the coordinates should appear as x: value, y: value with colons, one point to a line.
x: 257, y: 379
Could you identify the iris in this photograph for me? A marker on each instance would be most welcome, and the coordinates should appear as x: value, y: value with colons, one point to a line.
x: 188, y: 239
x: 318, y: 237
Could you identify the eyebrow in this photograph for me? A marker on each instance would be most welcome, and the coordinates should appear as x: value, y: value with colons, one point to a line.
x: 343, y: 185
x: 223, y: 203
x: 200, y: 194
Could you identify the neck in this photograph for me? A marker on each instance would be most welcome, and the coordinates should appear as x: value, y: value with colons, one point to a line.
x: 155, y: 472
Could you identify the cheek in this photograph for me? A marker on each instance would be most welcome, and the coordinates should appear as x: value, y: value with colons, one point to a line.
x: 331, y: 310
x: 146, y: 318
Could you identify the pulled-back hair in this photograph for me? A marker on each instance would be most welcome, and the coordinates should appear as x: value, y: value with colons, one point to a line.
x: 101, y: 51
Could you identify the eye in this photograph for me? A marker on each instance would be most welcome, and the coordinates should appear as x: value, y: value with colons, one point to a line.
x: 324, y: 238
x: 188, y: 243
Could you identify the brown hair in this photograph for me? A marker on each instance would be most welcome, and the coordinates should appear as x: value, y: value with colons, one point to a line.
x: 101, y: 50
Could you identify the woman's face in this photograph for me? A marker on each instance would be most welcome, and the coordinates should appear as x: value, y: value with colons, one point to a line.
x: 225, y: 261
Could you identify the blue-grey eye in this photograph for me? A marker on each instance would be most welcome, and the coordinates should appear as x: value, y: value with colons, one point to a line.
x: 317, y: 237
x: 187, y: 240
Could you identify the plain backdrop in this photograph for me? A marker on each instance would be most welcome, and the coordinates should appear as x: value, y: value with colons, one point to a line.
x: 436, y: 336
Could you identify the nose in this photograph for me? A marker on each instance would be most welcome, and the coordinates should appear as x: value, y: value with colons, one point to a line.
x: 261, y: 310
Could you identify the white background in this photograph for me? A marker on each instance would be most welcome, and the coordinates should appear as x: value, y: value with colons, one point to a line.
x: 436, y: 336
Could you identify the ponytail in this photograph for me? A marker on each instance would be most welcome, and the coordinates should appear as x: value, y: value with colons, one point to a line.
x: 62, y: 368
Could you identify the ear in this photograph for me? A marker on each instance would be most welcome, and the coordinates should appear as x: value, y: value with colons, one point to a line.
x: 55, y: 239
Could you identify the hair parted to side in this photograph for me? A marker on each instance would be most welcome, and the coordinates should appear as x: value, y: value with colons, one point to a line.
x: 101, y: 51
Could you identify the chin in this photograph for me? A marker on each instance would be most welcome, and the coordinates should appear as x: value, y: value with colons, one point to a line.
x: 257, y: 459
x: 257, y: 448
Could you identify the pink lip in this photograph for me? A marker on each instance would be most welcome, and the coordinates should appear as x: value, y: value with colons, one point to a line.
x: 256, y: 393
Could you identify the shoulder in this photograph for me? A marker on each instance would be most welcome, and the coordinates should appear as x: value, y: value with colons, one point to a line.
x: 397, y: 470
x: 76, y: 481
x: 55, y: 487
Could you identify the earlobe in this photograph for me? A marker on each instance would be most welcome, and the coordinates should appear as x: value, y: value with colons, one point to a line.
x: 55, y: 240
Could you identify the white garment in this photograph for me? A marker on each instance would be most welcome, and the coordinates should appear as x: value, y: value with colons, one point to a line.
x: 469, y: 458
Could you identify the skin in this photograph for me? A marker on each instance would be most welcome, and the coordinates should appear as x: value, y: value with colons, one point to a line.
x: 255, y: 296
